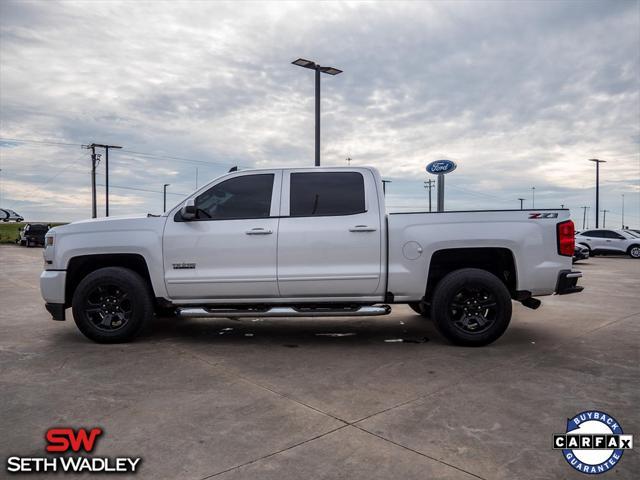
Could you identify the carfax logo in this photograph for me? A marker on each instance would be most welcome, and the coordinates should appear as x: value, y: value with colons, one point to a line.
x: 593, y: 443
x: 66, y: 440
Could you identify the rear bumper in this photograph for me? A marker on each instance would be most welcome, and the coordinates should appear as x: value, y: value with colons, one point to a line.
x: 568, y: 282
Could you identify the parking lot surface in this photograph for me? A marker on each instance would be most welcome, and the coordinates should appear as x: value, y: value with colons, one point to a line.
x: 290, y: 399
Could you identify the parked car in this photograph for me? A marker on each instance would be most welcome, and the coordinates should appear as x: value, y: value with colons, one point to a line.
x: 306, y: 242
x: 32, y: 234
x: 7, y: 215
x: 580, y: 253
x: 604, y: 241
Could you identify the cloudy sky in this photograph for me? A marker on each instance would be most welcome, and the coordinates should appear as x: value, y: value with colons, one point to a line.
x: 519, y: 94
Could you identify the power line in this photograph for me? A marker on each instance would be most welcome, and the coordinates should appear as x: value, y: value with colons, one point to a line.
x: 144, y: 190
x: 132, y: 152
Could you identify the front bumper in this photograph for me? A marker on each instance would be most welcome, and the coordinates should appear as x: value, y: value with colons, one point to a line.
x: 568, y: 282
x: 52, y: 284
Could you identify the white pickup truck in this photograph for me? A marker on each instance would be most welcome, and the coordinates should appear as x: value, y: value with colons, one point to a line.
x: 306, y: 242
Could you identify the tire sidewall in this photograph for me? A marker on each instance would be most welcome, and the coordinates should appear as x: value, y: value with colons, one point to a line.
x: 470, y: 277
x: 632, y: 248
x: 130, y: 282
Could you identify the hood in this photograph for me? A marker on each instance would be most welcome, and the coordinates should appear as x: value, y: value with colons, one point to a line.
x: 110, y: 224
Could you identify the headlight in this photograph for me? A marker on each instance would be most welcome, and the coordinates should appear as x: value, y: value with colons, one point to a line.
x: 49, y: 241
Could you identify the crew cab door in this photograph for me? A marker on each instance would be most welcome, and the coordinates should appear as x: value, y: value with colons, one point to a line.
x: 229, y: 250
x: 330, y: 234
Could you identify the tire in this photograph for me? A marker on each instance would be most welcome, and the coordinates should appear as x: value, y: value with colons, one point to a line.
x: 484, y: 295
x: 420, y: 309
x: 127, y: 306
x: 634, y: 251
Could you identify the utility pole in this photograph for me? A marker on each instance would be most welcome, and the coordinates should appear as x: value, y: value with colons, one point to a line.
x: 597, y: 162
x: 604, y: 218
x: 106, y: 177
x: 533, y: 199
x: 584, y: 216
x: 521, y: 203
x: 429, y: 185
x: 95, y: 159
x: 164, y: 203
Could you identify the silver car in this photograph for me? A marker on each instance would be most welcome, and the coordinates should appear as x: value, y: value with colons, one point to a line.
x: 7, y: 215
x: 609, y: 241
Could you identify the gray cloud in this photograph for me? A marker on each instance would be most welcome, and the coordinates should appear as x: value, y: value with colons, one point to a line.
x: 518, y: 93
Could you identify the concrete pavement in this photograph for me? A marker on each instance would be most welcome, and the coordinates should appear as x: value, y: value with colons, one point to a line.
x: 261, y: 398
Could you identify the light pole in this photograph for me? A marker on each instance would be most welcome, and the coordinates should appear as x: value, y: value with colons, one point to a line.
x: 521, y: 203
x: 164, y: 203
x: 301, y: 62
x: 623, y: 210
x: 533, y: 197
x: 598, y: 162
x: 604, y: 218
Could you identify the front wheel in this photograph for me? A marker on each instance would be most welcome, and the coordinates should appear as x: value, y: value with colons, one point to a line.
x: 471, y: 307
x: 112, y: 305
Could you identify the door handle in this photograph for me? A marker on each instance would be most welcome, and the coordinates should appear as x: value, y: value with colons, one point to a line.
x: 258, y: 231
x: 362, y: 228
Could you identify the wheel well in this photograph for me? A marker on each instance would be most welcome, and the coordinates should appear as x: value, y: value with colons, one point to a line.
x: 498, y: 261
x: 80, y: 267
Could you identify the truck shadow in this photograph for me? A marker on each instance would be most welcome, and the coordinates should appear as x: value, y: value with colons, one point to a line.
x: 410, y: 330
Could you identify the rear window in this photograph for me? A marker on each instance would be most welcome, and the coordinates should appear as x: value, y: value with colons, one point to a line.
x: 326, y: 193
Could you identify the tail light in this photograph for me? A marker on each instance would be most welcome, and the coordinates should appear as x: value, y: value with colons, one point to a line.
x: 566, y: 238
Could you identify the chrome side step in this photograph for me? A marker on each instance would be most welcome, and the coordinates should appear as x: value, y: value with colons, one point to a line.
x: 365, y: 311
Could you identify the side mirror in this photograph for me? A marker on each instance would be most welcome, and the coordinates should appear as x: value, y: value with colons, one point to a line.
x: 188, y: 210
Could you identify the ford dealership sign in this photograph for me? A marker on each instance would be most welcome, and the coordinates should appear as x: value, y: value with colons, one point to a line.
x: 441, y: 166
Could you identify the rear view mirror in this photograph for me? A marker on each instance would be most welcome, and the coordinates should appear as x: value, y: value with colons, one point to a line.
x: 188, y: 210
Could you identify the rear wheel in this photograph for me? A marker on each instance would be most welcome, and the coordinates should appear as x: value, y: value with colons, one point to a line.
x: 471, y: 307
x: 112, y: 305
x: 634, y: 251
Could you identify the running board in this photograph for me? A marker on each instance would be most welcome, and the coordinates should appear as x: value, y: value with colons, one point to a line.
x: 365, y: 311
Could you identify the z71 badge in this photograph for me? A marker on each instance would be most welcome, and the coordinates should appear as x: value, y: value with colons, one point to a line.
x: 183, y: 266
x: 543, y: 215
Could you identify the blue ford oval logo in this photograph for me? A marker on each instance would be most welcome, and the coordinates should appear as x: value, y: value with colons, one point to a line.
x: 441, y: 166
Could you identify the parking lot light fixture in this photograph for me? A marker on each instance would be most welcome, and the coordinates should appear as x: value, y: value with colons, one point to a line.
x: 301, y: 62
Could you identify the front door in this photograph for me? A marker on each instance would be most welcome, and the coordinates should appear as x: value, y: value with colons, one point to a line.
x: 330, y: 235
x: 229, y: 250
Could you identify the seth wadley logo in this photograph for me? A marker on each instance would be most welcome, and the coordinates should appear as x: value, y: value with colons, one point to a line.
x: 66, y: 440
x: 593, y: 442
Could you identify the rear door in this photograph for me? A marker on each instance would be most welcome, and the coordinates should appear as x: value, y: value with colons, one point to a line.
x: 330, y: 235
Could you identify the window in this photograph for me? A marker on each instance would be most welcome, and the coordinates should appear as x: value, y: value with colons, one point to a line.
x: 248, y: 196
x: 337, y: 193
x: 593, y: 233
x: 610, y: 234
